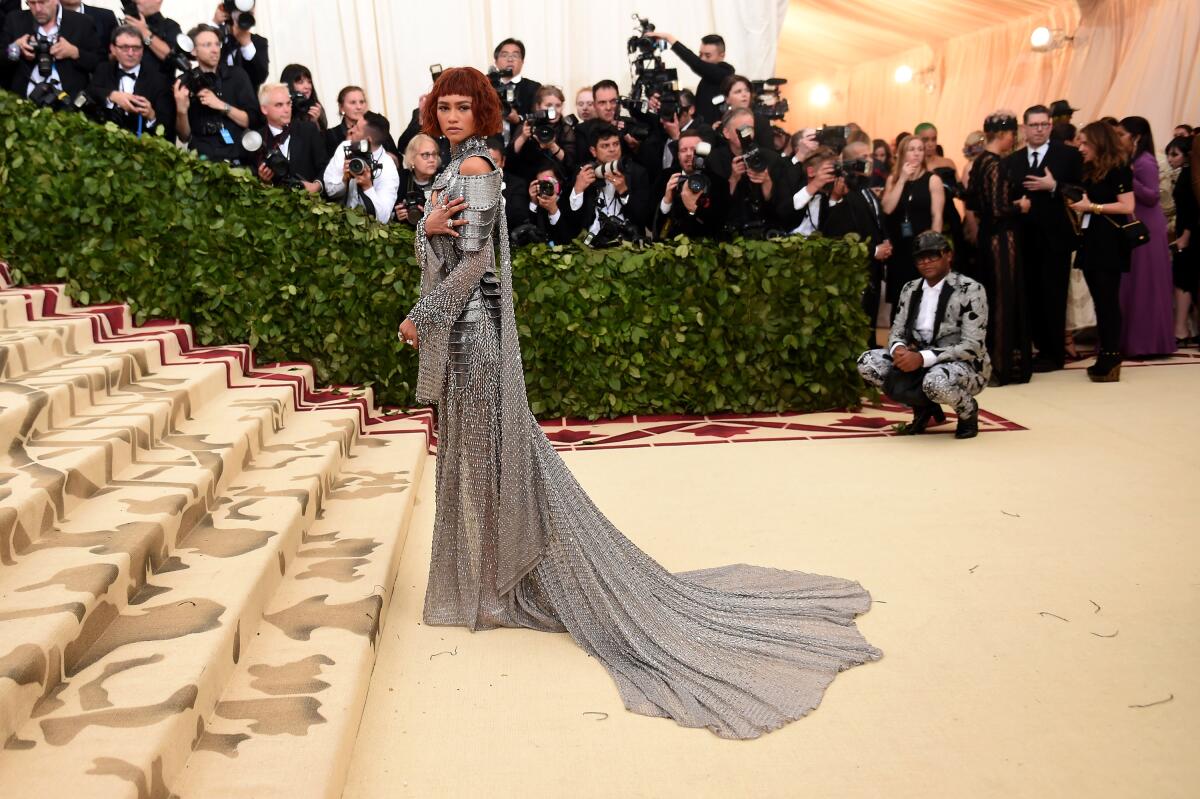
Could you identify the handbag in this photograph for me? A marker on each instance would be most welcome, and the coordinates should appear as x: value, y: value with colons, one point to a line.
x: 1134, y: 233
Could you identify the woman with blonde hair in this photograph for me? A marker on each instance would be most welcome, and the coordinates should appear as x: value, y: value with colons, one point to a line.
x: 913, y: 199
x: 420, y: 166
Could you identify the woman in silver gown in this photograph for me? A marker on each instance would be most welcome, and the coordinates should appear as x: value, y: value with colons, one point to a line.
x: 739, y: 649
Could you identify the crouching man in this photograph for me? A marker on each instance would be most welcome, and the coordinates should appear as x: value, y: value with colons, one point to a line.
x: 936, y: 353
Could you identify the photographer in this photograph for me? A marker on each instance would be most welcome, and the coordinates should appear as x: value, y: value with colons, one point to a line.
x: 545, y: 216
x: 50, y: 46
x: 299, y: 81
x: 611, y: 187
x: 214, y: 104
x: 752, y: 173
x: 710, y: 65
x: 421, y: 161
x: 363, y: 173
x: 240, y: 47
x: 138, y: 97
x: 694, y: 203
x: 293, y: 153
x: 509, y: 55
x: 854, y: 208
x: 674, y: 127
x: 803, y: 207
x: 542, y: 138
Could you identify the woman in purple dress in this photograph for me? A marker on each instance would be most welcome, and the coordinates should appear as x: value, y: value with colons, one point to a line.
x: 1146, y: 290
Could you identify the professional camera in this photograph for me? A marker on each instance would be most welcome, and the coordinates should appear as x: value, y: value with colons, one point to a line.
x: 856, y: 173
x: 525, y: 234
x: 751, y: 154
x: 642, y: 43
x: 301, y: 103
x: 833, y: 136
x: 359, y: 158
x: 193, y: 78
x: 506, y: 91
x: 629, y: 125
x: 244, y: 19
x: 604, y: 170
x: 612, y: 230
x: 767, y: 100
x: 413, y: 200
x: 41, y: 54
x: 435, y: 71
x: 697, y: 181
x: 547, y: 188
x: 275, y: 160
x: 545, y: 124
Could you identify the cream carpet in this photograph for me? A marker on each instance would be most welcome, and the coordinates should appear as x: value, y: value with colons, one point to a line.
x: 967, y: 547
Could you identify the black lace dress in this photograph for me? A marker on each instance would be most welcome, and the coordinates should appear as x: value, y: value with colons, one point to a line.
x: 991, y: 199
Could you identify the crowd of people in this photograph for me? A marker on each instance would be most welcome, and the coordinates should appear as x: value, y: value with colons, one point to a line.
x: 1034, y: 196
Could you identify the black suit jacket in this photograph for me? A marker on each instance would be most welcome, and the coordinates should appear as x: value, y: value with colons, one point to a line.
x: 150, y: 84
x: 76, y: 29
x: 105, y: 22
x: 306, y: 149
x: 639, y: 208
x: 858, y: 212
x: 1048, y: 222
x: 258, y: 68
x: 711, y: 77
x: 711, y: 211
x: 526, y: 90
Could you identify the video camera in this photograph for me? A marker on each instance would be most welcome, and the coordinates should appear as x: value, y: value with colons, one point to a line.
x: 650, y: 75
x: 768, y: 102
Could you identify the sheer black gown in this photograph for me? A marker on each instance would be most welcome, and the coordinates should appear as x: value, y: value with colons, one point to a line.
x: 916, y: 206
x: 991, y: 198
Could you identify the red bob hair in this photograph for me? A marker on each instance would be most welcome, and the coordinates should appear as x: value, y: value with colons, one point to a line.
x: 468, y: 82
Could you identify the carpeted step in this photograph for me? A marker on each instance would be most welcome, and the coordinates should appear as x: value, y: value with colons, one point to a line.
x: 296, y: 698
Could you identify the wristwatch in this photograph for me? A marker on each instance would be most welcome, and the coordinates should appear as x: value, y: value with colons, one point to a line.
x: 149, y: 38
x: 226, y: 109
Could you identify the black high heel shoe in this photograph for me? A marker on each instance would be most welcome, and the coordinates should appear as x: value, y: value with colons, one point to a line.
x: 1106, y: 369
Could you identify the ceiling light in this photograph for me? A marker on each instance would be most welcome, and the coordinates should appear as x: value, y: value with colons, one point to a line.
x: 820, y: 95
x: 1041, y: 38
x: 904, y: 74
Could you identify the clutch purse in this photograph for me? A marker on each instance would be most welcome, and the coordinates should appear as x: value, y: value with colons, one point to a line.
x: 1134, y: 232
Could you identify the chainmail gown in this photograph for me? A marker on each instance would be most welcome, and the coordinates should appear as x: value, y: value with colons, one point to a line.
x: 739, y: 649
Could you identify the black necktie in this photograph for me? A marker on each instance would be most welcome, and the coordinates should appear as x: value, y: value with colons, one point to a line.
x: 1035, y: 160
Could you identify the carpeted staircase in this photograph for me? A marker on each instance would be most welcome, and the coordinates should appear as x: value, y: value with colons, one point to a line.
x: 196, y: 553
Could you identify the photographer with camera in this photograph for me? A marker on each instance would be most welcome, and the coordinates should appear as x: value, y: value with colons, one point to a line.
x: 234, y: 21
x: 363, y: 173
x: 709, y: 65
x: 50, y: 48
x: 694, y: 203
x: 802, y: 206
x: 854, y: 208
x: 138, y: 96
x: 292, y: 153
x: 547, y: 222
x: 305, y: 104
x: 542, y: 138
x: 214, y: 102
x: 421, y: 162
x: 752, y: 173
x: 675, y: 126
x: 610, y: 192
x: 509, y: 60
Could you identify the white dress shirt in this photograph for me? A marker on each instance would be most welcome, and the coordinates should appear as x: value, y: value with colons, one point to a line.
x: 608, y: 202
x: 248, y: 50
x: 810, y: 204
x: 35, y: 77
x: 926, y: 316
x: 384, y: 188
x: 1039, y: 151
x: 533, y: 208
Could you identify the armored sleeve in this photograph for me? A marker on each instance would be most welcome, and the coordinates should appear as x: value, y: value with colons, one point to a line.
x: 482, y: 193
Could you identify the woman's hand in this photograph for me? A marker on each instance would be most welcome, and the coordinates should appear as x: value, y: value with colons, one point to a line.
x: 408, y: 334
x: 441, y: 221
x: 1083, y: 206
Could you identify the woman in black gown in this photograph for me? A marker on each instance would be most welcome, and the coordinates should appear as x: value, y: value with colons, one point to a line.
x: 913, y: 200
x: 1103, y: 255
x: 1185, y: 261
x: 992, y: 198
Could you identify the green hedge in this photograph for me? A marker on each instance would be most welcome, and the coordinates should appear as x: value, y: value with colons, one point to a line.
x: 676, y: 327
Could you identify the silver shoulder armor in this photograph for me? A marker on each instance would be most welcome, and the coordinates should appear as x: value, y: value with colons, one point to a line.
x: 482, y: 193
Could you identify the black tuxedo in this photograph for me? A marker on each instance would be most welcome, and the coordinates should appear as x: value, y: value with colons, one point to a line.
x: 711, y: 210
x: 860, y: 212
x: 105, y: 22
x: 76, y: 29
x: 150, y: 84
x: 526, y: 90
x: 306, y: 149
x: 638, y: 208
x: 258, y: 68
x: 1046, y: 239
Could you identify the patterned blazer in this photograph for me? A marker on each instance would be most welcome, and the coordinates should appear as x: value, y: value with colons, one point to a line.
x: 960, y: 324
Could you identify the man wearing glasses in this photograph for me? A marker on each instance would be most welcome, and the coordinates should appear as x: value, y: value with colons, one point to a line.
x: 138, y: 97
x: 510, y: 54
x: 1047, y: 234
x: 74, y: 49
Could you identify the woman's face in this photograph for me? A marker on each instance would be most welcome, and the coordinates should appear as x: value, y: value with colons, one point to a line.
x: 1085, y: 148
x: 1175, y: 158
x: 929, y: 141
x: 739, y: 96
x: 881, y: 154
x: 914, y: 151
x: 425, y: 160
x: 583, y: 106
x: 1128, y: 140
x: 550, y: 101
x: 304, y: 85
x: 455, y: 117
x: 353, y: 106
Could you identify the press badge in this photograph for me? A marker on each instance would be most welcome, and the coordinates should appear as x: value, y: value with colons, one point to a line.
x: 226, y: 136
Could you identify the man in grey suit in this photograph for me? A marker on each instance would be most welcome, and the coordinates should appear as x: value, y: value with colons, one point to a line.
x: 937, y: 338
